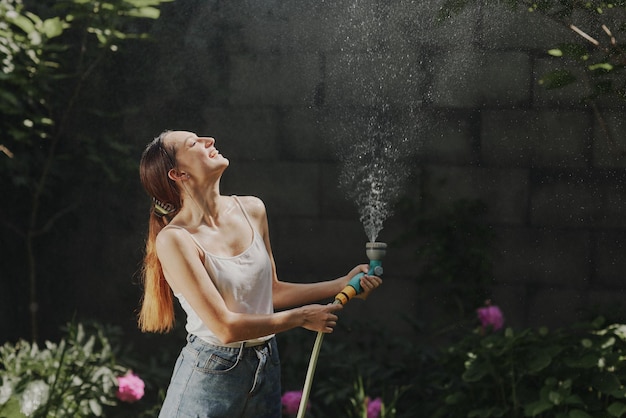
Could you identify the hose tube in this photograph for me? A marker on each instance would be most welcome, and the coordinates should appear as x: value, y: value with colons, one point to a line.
x: 352, y: 289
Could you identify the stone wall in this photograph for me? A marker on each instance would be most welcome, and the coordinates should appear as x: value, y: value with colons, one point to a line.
x: 257, y: 75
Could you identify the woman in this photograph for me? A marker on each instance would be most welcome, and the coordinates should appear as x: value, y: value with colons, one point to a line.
x: 213, y: 253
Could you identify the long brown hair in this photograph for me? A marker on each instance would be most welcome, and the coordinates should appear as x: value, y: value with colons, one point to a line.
x: 157, y: 305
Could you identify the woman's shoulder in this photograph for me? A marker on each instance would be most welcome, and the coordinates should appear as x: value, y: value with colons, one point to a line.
x: 171, y: 234
x: 253, y: 205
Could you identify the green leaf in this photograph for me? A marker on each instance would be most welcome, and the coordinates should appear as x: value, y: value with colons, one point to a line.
x: 574, y: 51
x: 487, y: 412
x: 616, y: 409
x: 555, y: 397
x: 478, y: 413
x: 54, y: 27
x: 539, y: 361
x: 95, y: 407
x: 475, y: 371
x: 599, y: 322
x: 538, y: 407
x: 23, y: 23
x: 145, y: 3
x: 587, y: 361
x: 454, y: 398
x: 11, y: 409
x: 605, y: 66
x: 573, y: 400
x: 619, y: 393
x: 9, y: 98
x: 557, y: 79
x: 605, y: 382
x: 145, y: 12
x: 578, y: 413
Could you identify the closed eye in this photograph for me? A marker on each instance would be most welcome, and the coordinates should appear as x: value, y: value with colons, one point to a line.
x: 191, y: 140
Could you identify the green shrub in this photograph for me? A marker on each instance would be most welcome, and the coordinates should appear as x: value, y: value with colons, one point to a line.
x: 75, y: 378
x: 576, y: 372
x: 573, y: 372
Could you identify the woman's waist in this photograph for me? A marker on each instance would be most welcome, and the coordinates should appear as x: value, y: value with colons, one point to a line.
x: 216, y: 343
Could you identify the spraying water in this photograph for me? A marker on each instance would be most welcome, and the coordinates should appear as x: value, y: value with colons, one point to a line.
x: 376, y: 133
x: 375, y: 145
x: 374, y: 171
x: 372, y: 109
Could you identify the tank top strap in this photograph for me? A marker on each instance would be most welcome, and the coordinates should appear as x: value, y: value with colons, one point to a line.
x: 244, y: 212
x: 188, y: 233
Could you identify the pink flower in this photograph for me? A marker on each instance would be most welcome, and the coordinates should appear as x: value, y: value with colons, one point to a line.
x: 374, y: 407
x: 291, y: 401
x: 490, y: 317
x: 130, y: 388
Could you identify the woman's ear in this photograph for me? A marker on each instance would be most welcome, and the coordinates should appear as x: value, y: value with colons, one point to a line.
x: 177, y: 175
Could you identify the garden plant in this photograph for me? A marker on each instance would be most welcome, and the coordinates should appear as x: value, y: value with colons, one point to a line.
x: 56, y: 139
x: 594, y: 62
x: 77, y: 377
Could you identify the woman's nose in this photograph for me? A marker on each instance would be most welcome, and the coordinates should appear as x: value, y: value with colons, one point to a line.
x: 209, y: 142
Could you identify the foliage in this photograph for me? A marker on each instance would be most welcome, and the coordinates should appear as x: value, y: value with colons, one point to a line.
x: 574, y: 372
x: 359, y: 363
x: 53, y: 128
x: 454, y: 246
x: 81, y: 376
x: 363, y: 406
x: 74, y: 378
x: 45, y: 63
x: 599, y: 61
x: 569, y: 373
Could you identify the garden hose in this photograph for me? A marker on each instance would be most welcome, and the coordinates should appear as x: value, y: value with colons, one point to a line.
x: 375, y: 252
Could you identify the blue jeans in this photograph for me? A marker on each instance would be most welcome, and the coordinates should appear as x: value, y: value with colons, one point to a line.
x: 214, y: 382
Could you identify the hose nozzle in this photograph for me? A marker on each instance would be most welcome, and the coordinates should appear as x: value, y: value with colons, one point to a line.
x: 375, y: 251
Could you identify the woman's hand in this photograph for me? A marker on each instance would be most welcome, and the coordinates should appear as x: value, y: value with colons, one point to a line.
x: 320, y: 318
x: 361, y: 268
x: 368, y: 284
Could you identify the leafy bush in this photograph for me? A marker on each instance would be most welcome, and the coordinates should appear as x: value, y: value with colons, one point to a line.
x: 75, y: 378
x: 455, y: 241
x: 55, y: 58
x: 573, y: 372
x: 576, y: 372
x: 358, y: 365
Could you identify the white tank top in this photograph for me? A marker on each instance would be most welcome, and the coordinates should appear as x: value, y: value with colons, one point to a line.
x: 244, y: 281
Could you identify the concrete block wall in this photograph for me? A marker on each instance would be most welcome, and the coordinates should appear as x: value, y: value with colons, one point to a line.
x: 260, y: 76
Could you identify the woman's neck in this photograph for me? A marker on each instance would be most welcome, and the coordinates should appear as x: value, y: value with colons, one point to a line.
x: 204, y: 208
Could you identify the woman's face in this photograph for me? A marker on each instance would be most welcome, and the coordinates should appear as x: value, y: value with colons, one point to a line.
x: 195, y: 156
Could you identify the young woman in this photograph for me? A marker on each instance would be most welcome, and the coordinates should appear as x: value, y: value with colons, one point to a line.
x: 213, y: 253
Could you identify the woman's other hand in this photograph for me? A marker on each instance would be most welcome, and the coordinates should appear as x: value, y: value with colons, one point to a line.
x: 320, y: 318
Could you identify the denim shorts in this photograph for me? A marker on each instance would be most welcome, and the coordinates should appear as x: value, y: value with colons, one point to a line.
x: 210, y: 381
